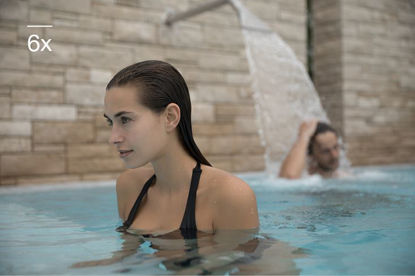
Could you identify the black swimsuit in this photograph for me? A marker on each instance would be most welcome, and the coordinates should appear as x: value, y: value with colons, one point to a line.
x: 188, y: 226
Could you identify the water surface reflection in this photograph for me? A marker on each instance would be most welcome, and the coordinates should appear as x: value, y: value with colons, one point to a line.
x: 226, y: 251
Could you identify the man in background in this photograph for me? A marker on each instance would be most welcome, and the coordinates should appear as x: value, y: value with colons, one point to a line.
x: 319, y: 142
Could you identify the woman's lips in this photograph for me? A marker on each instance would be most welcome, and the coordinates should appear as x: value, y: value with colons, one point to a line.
x: 125, y: 153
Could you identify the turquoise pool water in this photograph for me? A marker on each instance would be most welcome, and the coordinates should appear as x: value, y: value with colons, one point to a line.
x: 363, y: 224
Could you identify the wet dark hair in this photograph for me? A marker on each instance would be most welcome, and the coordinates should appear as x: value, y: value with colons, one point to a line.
x: 321, y: 128
x: 162, y: 84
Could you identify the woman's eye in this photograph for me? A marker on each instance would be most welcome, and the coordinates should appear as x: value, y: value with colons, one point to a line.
x: 125, y: 120
x: 109, y: 122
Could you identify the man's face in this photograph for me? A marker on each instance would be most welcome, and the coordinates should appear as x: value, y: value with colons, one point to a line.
x: 326, y: 151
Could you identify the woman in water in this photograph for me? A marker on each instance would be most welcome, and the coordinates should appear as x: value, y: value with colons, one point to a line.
x: 148, y: 107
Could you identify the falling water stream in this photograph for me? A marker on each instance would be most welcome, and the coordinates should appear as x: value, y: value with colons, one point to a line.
x: 283, y: 92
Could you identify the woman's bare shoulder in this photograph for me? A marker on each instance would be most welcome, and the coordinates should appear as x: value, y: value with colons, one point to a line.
x: 134, y: 178
x: 225, y: 183
x: 128, y: 187
x: 235, y: 203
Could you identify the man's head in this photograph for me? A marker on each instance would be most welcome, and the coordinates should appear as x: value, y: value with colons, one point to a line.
x: 324, y: 147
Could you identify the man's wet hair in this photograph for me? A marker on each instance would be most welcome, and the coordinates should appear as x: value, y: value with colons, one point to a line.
x: 321, y: 128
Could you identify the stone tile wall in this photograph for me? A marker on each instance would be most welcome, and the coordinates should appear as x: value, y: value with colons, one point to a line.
x: 364, y: 67
x: 327, y: 64
x: 51, y: 123
x: 379, y: 80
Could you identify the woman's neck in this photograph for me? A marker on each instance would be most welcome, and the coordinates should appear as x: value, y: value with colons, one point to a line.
x: 174, y: 170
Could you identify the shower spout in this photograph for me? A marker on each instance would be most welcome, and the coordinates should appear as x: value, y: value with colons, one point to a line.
x: 206, y: 6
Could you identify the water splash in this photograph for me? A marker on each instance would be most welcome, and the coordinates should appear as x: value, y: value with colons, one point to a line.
x: 283, y: 92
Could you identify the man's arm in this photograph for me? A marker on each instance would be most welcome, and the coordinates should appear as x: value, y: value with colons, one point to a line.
x: 294, y: 163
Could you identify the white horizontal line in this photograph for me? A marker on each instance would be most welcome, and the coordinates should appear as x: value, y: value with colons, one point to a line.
x: 20, y: 189
x: 39, y: 26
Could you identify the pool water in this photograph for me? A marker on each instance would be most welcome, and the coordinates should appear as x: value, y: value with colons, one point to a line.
x: 362, y: 224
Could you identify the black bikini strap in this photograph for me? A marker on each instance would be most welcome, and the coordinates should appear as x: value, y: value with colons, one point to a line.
x: 133, y: 211
x: 188, y: 225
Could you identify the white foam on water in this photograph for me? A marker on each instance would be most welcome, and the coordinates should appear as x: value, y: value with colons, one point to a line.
x: 272, y: 181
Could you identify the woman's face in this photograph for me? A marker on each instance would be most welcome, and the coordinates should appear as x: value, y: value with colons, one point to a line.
x: 137, y: 132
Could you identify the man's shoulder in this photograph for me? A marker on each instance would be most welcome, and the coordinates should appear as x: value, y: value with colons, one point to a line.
x: 343, y: 173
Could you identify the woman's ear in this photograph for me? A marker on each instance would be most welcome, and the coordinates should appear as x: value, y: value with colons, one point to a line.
x: 172, y: 115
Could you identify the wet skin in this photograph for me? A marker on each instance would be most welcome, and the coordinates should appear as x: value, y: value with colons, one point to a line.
x: 326, y: 153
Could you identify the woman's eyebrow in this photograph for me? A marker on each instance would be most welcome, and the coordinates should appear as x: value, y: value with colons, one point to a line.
x: 118, y: 114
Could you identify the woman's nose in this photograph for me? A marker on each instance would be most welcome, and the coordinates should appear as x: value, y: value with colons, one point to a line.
x: 115, y: 136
